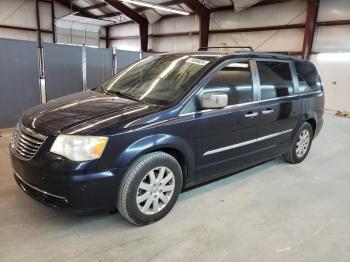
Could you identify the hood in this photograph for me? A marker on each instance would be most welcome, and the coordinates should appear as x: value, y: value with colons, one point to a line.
x: 74, y: 110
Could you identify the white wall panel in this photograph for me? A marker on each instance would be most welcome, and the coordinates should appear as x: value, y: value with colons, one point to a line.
x: 284, y: 40
x: 45, y: 16
x: 126, y: 44
x: 334, y: 10
x: 175, y: 25
x: 336, y: 82
x: 269, y: 15
x: 61, y: 10
x: 332, y: 38
x: 124, y: 30
x: 18, y: 34
x: 23, y: 13
x: 152, y: 15
x: 47, y: 37
x: 102, y: 44
x: 175, y: 43
x: 24, y: 35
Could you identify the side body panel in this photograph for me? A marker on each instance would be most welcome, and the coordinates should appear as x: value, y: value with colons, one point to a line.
x: 223, y: 141
x: 279, y: 118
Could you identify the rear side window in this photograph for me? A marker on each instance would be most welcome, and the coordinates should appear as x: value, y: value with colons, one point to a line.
x: 275, y: 79
x: 308, y: 78
x: 235, y: 81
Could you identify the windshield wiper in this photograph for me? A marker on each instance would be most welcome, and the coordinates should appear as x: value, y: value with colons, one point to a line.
x: 124, y: 95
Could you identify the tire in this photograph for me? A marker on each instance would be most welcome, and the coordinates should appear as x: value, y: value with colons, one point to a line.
x: 144, y: 197
x: 300, y: 147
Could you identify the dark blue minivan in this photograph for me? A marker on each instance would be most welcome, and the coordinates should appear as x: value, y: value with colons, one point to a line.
x: 165, y: 123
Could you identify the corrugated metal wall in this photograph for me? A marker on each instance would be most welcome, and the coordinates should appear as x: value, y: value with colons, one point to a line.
x: 64, y: 73
x: 63, y: 70
x: 99, y: 64
x: 19, y: 75
x: 125, y: 58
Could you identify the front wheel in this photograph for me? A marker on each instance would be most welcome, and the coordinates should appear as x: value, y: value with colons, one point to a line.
x: 301, y: 145
x: 149, y: 188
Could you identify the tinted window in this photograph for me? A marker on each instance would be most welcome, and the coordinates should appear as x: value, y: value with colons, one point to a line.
x: 235, y: 81
x: 275, y: 79
x: 308, y: 77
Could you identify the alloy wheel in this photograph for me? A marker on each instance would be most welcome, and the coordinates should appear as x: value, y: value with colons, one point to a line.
x: 155, y: 190
x: 303, y: 143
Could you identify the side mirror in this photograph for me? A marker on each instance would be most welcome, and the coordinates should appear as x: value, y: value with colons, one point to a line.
x: 209, y: 100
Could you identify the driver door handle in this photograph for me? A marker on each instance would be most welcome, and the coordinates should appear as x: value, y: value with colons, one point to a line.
x: 267, y: 111
x: 251, y: 115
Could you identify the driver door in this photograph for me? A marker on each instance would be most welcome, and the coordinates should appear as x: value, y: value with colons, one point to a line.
x: 225, y: 137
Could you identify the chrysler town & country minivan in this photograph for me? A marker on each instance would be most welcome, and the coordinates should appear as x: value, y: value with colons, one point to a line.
x: 163, y: 124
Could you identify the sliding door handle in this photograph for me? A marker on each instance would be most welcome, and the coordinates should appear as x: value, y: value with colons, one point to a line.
x: 267, y: 111
x: 251, y: 115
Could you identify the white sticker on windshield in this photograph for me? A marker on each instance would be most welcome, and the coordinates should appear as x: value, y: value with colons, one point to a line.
x: 197, y: 61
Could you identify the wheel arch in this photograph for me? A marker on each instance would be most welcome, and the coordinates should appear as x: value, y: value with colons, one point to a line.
x: 313, y: 124
x: 172, y: 145
x: 311, y: 118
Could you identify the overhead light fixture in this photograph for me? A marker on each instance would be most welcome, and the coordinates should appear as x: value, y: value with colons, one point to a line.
x: 156, y: 6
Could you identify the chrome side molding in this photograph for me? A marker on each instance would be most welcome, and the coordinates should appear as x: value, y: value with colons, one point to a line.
x: 221, y: 149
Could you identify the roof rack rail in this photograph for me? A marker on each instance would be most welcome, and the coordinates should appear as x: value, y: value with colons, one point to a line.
x: 240, y: 47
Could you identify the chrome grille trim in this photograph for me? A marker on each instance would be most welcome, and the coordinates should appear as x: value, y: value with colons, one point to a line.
x: 25, y: 142
x: 38, y: 189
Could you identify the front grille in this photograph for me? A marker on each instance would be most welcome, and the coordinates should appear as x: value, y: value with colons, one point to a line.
x: 25, y: 142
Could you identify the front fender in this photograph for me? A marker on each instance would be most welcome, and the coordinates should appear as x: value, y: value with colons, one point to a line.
x: 158, y: 142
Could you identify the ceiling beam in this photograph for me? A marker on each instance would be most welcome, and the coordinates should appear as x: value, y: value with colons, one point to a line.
x: 262, y: 3
x: 137, y: 18
x: 333, y: 23
x: 133, y: 15
x: 81, y: 11
x: 310, y: 25
x: 232, y: 8
x: 204, y: 17
x: 271, y: 2
x: 143, y: 8
x: 109, y: 15
x: 97, y: 6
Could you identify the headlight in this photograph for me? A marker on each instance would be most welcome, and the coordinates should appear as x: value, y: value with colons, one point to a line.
x: 79, y: 148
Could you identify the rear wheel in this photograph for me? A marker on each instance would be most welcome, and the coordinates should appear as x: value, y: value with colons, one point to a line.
x: 150, y: 188
x: 301, y: 144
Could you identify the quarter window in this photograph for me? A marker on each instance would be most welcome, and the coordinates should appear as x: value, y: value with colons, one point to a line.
x: 308, y: 78
x: 235, y: 81
x: 275, y: 79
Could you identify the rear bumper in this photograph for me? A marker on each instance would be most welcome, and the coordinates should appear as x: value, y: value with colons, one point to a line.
x: 75, y: 191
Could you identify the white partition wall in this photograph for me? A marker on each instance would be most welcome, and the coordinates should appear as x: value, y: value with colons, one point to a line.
x: 332, y: 45
x: 333, y: 70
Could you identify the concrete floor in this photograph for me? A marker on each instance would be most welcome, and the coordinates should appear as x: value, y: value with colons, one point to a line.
x: 272, y: 212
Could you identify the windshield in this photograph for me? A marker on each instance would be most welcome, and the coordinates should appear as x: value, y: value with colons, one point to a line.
x: 159, y: 79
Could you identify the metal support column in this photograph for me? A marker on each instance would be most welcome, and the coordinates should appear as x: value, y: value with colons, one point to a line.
x: 40, y: 56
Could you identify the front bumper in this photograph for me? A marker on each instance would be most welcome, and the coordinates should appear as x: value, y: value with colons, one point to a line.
x: 72, y: 189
